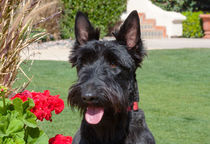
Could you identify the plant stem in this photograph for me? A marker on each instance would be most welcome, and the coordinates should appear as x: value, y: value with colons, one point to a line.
x: 4, y: 105
x: 3, y: 91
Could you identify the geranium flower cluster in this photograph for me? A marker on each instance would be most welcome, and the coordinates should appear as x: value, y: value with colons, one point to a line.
x: 44, y: 103
x: 60, y: 139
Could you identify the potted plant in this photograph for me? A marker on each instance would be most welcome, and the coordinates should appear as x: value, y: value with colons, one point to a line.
x: 206, y: 24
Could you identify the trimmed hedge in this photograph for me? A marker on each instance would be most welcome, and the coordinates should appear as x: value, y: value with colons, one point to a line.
x: 102, y: 14
x: 192, y: 26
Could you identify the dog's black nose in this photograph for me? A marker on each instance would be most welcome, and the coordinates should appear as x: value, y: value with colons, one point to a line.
x: 89, y: 97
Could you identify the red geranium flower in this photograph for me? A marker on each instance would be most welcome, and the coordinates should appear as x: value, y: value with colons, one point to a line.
x: 23, y: 96
x: 44, y: 103
x: 60, y: 139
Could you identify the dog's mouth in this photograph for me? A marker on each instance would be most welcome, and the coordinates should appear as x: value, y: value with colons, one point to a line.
x: 94, y: 115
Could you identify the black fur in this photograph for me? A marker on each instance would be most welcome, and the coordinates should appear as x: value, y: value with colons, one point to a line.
x: 106, y: 78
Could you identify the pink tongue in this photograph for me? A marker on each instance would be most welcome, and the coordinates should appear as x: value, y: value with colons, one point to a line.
x: 94, y: 115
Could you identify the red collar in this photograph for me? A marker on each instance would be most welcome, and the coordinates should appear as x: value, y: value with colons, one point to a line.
x: 134, y: 107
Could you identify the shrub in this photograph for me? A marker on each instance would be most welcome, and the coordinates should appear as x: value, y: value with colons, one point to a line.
x: 192, y: 26
x: 103, y: 14
x: 49, y: 19
x: 183, y: 5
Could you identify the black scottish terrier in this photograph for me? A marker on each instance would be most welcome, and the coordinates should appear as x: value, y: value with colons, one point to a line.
x: 106, y: 91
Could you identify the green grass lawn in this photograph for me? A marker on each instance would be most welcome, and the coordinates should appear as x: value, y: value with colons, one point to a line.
x: 174, y: 91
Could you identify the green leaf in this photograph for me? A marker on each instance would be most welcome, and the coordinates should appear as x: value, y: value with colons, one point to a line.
x: 8, y: 105
x: 29, y: 119
x: 16, y: 126
x: 36, y: 136
x: 18, y: 140
x: 18, y: 105
x: 29, y: 104
x: 13, y: 140
x: 4, y: 122
x: 8, y: 141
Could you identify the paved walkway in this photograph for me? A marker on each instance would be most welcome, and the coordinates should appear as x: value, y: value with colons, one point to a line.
x: 60, y: 50
x: 177, y: 43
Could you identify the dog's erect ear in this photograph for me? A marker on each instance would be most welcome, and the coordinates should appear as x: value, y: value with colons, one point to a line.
x: 84, y: 31
x: 129, y: 33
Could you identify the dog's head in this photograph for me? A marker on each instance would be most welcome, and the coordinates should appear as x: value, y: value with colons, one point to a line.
x: 106, y: 69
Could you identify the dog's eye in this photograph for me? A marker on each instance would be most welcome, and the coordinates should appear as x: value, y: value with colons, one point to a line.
x: 113, y: 65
